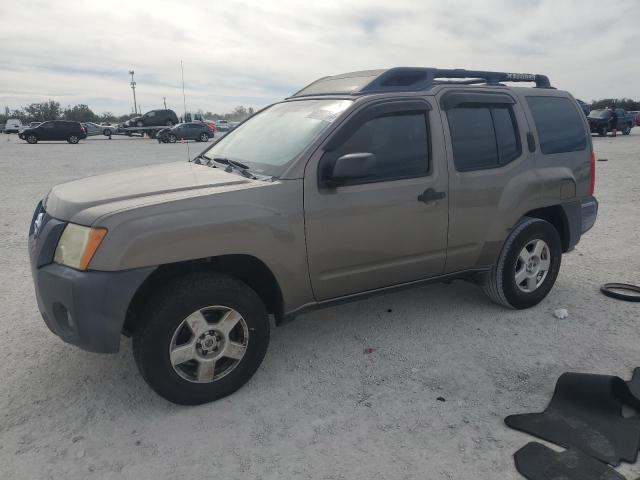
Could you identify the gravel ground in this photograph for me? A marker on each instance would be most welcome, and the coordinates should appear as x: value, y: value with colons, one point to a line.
x: 322, y: 405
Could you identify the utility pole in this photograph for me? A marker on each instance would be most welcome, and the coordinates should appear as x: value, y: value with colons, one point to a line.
x: 133, y: 87
x: 164, y: 99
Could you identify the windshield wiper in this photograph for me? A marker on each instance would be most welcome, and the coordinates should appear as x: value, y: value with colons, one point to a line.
x: 241, y: 167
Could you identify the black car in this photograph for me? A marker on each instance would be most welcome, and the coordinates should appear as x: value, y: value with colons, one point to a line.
x: 154, y: 118
x: 186, y: 131
x: 72, y: 132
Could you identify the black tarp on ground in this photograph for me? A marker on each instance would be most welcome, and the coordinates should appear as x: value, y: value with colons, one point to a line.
x: 537, y: 462
x: 585, y: 413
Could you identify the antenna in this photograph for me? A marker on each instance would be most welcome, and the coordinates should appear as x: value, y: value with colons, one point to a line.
x: 184, y: 101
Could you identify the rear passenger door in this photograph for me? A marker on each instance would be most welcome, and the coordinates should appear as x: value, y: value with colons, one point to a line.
x: 490, y: 173
x: 390, y: 227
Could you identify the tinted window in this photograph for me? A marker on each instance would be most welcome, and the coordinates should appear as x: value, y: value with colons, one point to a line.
x: 559, y: 125
x: 473, y: 138
x: 483, y: 136
x: 47, y: 125
x: 506, y: 135
x: 399, y: 141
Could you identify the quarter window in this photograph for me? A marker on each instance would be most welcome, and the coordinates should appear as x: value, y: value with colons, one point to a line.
x: 483, y: 136
x: 399, y: 141
x: 559, y: 124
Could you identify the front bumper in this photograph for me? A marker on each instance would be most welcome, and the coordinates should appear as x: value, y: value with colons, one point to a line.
x: 86, y: 309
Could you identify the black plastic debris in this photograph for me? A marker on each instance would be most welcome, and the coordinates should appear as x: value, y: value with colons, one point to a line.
x: 585, y: 414
x: 537, y: 462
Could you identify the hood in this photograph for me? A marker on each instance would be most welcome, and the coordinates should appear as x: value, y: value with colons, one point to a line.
x: 84, y: 201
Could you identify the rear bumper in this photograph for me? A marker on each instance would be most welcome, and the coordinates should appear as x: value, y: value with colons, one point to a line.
x: 589, y: 213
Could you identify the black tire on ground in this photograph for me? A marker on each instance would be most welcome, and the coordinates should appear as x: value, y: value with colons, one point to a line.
x: 128, y: 134
x: 501, y: 284
x: 73, y: 139
x: 152, y: 133
x: 107, y: 132
x: 626, y: 130
x: 171, y: 138
x: 204, y: 137
x: 32, y: 139
x: 164, y: 313
x: 602, y: 131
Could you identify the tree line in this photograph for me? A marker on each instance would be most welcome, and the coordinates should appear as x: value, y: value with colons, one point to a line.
x: 52, y: 110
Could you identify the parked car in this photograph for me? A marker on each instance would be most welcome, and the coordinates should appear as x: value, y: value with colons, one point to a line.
x: 198, y: 131
x: 600, y: 121
x: 223, y: 125
x: 72, y: 132
x: 637, y: 117
x: 585, y: 108
x: 13, y: 125
x: 154, y: 118
x: 198, y: 117
x: 355, y: 185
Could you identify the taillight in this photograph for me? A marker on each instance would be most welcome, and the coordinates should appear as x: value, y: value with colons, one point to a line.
x: 593, y: 172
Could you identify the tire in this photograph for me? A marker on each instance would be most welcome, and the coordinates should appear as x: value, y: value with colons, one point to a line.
x: 502, y: 285
x: 163, y: 321
x: 602, y: 131
x: 171, y: 138
x: 203, y: 137
x: 73, y: 139
x: 626, y: 130
x: 151, y: 133
x: 107, y: 133
x: 32, y: 139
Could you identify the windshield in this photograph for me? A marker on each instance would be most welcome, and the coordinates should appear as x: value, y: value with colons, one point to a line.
x: 273, y: 138
x: 599, y: 113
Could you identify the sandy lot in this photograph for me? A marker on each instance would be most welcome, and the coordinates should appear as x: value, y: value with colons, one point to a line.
x: 320, y: 406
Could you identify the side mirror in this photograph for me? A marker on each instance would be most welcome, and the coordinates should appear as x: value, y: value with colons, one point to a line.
x: 351, y: 166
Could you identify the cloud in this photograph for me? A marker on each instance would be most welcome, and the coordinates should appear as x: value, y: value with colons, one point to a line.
x: 257, y: 52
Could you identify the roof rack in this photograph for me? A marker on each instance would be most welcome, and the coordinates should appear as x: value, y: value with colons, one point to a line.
x: 410, y: 79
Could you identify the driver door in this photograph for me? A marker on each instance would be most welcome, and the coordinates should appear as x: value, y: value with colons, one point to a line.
x: 390, y: 227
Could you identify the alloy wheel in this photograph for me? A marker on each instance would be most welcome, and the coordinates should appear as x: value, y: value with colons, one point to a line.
x: 532, y: 265
x: 209, y: 344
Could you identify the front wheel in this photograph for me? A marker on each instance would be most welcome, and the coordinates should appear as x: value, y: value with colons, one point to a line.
x: 73, y: 139
x: 602, y: 131
x: 107, y: 133
x: 626, y: 130
x: 202, y: 337
x: 204, y: 137
x: 528, y: 265
x: 32, y: 139
x: 172, y: 138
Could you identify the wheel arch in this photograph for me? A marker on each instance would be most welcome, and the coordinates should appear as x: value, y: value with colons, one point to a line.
x: 557, y: 216
x: 247, y: 268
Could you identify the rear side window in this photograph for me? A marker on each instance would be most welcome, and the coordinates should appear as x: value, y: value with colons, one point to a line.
x: 483, y: 136
x: 560, y: 127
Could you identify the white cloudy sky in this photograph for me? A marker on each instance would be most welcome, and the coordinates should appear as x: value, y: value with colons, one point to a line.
x: 253, y: 53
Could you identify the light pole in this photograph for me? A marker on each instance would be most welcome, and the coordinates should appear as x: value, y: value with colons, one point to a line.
x: 164, y: 99
x: 133, y: 87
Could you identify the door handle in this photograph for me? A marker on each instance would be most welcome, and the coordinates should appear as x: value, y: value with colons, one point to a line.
x: 430, y: 195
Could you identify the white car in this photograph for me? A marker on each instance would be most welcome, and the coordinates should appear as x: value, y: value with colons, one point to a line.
x: 95, y: 129
x: 13, y: 125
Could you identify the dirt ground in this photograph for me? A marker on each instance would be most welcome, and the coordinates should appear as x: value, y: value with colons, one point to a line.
x: 321, y: 405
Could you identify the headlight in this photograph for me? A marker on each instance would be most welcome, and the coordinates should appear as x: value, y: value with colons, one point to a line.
x: 77, y: 245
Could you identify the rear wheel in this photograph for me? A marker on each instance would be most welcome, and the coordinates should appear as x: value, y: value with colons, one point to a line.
x: 107, y: 132
x: 171, y: 138
x: 602, y: 131
x: 528, y: 265
x: 32, y: 139
x: 73, y: 139
x: 203, y: 337
x: 626, y: 130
